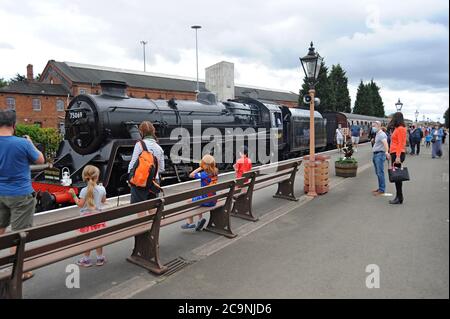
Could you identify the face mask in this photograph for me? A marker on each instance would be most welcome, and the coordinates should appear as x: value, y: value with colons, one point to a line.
x: 374, y: 130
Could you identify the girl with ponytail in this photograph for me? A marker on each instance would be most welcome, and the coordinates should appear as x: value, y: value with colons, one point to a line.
x: 91, y: 199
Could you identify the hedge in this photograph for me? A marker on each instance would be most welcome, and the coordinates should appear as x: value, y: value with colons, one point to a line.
x: 48, y: 137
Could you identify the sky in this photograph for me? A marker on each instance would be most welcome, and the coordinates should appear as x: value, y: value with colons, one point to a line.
x: 403, y: 45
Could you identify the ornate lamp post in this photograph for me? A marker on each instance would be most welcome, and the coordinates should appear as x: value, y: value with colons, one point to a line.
x: 416, y: 114
x: 311, y: 66
x: 399, y: 105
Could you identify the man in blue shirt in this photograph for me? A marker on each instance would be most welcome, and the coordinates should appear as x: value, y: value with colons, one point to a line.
x: 17, y: 202
x: 356, y: 133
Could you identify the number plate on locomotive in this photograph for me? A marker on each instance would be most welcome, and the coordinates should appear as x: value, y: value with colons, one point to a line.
x: 76, y: 115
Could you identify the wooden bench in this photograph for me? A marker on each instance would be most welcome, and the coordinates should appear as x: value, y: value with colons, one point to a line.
x: 145, y: 229
x: 282, y: 173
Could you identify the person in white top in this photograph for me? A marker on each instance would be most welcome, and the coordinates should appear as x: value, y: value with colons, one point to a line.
x: 339, y: 137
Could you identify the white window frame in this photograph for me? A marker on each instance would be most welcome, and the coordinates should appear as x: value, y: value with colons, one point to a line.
x: 62, y: 103
x: 11, y: 106
x: 82, y: 91
x: 33, y: 105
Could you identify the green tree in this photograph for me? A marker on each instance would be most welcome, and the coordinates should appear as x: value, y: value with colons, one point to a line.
x: 376, y: 102
x: 3, y: 82
x: 323, y: 90
x: 362, y: 102
x: 18, y: 78
x: 446, y: 119
x: 339, y: 87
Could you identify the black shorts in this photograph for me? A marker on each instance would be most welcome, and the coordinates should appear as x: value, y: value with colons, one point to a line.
x: 141, y: 195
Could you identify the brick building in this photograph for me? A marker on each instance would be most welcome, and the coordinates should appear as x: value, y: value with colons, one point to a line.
x: 35, y: 102
x: 60, y: 79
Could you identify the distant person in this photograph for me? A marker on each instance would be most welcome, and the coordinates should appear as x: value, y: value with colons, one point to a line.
x: 207, y: 174
x: 415, y: 137
x: 444, y: 131
x: 428, y: 138
x: 356, y: 134
x: 437, y: 134
x: 380, y: 151
x: 371, y: 136
x: 148, y: 134
x: 92, y: 198
x: 339, y: 138
x: 398, y: 152
x: 17, y: 200
x: 244, y: 163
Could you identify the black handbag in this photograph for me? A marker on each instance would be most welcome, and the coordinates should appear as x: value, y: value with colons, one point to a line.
x: 398, y: 174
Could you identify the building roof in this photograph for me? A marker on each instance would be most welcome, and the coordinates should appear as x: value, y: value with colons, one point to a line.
x: 35, y: 88
x: 92, y: 74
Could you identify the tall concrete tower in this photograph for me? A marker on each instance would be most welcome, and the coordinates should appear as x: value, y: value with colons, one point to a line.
x: 219, y: 78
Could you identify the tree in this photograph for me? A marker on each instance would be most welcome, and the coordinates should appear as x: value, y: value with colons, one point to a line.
x: 323, y: 90
x: 368, y: 100
x: 339, y: 86
x: 362, y: 102
x: 376, y: 102
x: 446, y: 119
x: 3, y: 82
x: 18, y: 78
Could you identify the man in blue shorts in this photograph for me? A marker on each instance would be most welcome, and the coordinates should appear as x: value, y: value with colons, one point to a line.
x: 17, y: 202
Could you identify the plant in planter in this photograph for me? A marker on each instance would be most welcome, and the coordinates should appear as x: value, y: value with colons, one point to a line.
x: 348, y: 165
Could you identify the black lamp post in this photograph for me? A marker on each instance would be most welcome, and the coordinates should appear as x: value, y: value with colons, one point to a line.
x: 311, y: 64
x: 416, y: 114
x: 399, y: 105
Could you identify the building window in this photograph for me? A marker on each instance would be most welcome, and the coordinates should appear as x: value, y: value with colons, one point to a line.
x: 60, y: 105
x: 38, y: 124
x: 36, y: 104
x: 11, y: 103
x: 82, y: 91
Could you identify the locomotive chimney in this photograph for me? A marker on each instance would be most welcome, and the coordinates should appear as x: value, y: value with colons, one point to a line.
x: 219, y: 78
x: 30, y: 76
x: 117, y: 89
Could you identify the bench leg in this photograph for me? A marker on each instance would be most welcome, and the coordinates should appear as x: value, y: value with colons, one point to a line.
x: 12, y: 288
x: 219, y: 218
x: 286, y: 188
x: 242, y: 207
x: 146, y: 248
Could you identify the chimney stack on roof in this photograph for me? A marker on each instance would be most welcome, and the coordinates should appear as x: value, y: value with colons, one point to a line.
x: 30, y: 76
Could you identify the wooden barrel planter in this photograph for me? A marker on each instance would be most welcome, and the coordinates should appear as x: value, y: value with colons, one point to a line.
x: 346, y: 169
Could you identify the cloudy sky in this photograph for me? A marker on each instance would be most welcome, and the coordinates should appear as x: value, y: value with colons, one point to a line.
x: 403, y: 45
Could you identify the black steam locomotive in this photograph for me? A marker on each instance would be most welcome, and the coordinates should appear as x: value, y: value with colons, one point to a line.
x: 103, y: 129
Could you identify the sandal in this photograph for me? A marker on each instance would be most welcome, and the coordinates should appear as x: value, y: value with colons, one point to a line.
x: 27, y: 275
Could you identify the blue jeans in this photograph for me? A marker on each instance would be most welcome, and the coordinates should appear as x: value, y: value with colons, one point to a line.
x: 378, y: 163
x: 436, y: 149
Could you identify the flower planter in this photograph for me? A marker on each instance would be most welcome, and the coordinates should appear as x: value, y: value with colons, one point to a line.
x: 346, y: 169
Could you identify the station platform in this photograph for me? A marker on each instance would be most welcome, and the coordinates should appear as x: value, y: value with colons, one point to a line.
x: 313, y: 248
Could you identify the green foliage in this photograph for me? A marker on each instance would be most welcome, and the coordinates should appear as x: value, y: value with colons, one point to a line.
x: 48, y: 137
x: 324, y: 91
x: 446, y: 118
x: 347, y: 160
x: 332, y: 89
x: 18, y: 78
x: 339, y: 85
x: 368, y: 100
x: 3, y: 82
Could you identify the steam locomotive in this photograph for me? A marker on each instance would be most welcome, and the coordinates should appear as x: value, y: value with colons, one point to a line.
x: 102, y: 130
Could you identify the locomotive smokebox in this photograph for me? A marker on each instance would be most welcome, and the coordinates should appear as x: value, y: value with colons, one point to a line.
x: 113, y: 88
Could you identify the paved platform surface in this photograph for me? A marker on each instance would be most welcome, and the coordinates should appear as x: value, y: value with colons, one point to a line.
x: 308, y: 249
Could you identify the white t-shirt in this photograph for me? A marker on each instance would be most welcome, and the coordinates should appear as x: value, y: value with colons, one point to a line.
x: 99, y: 193
x: 339, y: 134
